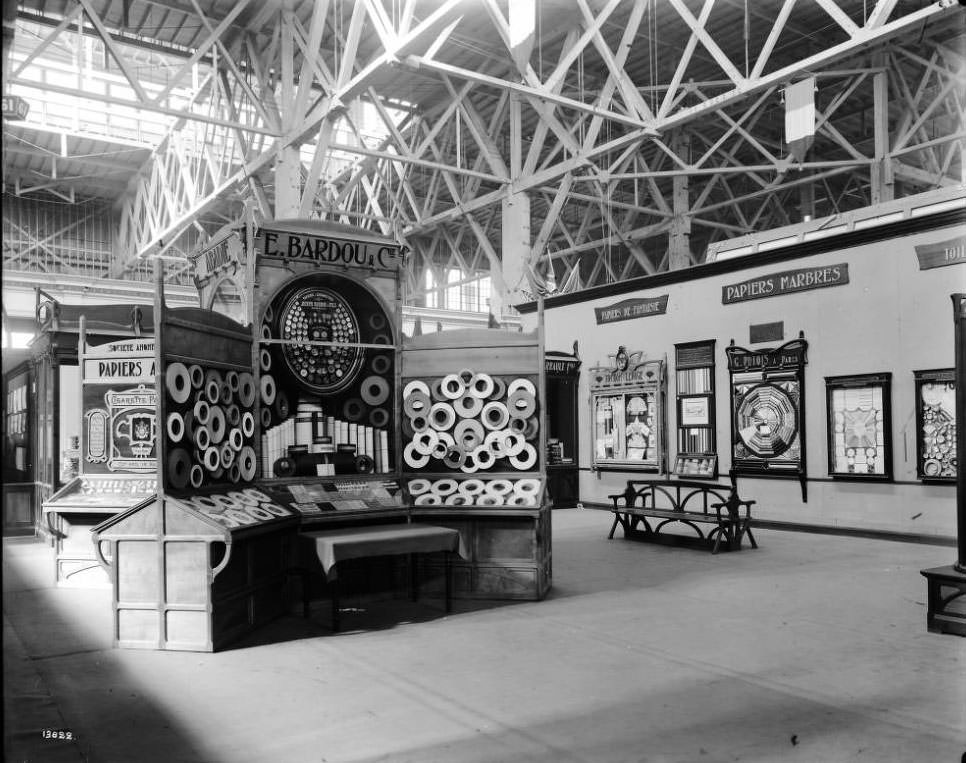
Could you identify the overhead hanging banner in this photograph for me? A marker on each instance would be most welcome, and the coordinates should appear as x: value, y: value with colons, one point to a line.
x: 632, y: 308
x: 786, y: 282
x: 952, y: 252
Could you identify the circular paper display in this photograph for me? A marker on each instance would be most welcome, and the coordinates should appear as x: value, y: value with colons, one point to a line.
x: 766, y: 421
x: 317, y: 314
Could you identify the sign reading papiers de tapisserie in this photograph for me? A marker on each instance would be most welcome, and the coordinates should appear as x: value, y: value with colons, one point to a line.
x: 632, y: 308
x: 786, y: 282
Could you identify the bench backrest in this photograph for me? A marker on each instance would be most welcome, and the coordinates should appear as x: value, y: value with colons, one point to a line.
x: 677, y: 495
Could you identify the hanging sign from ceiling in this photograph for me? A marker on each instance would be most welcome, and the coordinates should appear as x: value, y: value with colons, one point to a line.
x: 632, y: 308
x: 786, y: 282
x: 952, y: 252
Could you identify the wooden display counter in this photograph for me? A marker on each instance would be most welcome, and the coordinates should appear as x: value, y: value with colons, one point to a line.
x: 196, y: 573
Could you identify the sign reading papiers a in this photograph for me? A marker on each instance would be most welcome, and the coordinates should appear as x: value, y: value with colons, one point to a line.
x: 952, y: 252
x: 786, y: 282
x: 632, y: 308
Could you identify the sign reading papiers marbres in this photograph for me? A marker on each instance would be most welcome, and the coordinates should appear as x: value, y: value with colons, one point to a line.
x: 786, y: 282
x: 632, y: 308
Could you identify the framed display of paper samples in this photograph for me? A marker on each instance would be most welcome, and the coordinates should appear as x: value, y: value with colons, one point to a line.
x: 936, y: 457
x: 694, y: 380
x: 627, y: 413
x: 859, y: 426
x: 767, y: 410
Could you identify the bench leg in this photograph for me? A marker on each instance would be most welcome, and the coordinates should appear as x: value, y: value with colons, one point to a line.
x: 334, y: 592
x: 448, y: 573
x: 617, y: 519
x: 746, y: 530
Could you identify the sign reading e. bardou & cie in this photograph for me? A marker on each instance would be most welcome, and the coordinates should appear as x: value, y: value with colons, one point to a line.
x: 952, y: 252
x: 786, y: 282
x: 632, y: 308
x: 328, y: 248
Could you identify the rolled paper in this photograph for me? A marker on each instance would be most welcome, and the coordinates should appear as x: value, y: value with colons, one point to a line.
x: 381, y: 364
x: 231, y: 379
x: 247, y: 424
x: 257, y: 512
x: 177, y: 380
x: 525, y: 384
x: 246, y: 390
x: 440, y: 448
x: 488, y: 499
x: 498, y: 487
x: 275, y: 509
x: 484, y: 457
x: 417, y: 403
x: 268, y: 389
x: 266, y: 331
x: 436, y: 391
x: 217, y: 426
x: 454, y: 458
x: 284, y: 467
x: 452, y: 387
x: 268, y: 318
x: 196, y: 475
x: 413, y: 458
x: 414, y: 386
x: 495, y: 415
x: 494, y: 441
x: 202, y: 438
x: 212, y: 391
x: 377, y: 321
x: 197, y: 375
x: 212, y: 458
x: 419, y: 423
x: 469, y: 434
x: 518, y: 425
x: 533, y: 426
x: 266, y: 417
x: 525, y: 459
x: 374, y: 390
x: 499, y: 389
x: 225, y: 501
x: 235, y: 439
x: 481, y: 386
x: 468, y: 406
x: 202, y: 412
x: 353, y: 409
x: 466, y: 376
x: 255, y: 494
x: 521, y: 404
x: 469, y: 465
x: 175, y: 427
x: 233, y: 415
x: 442, y: 416
x: 381, y: 339
x: 418, y: 486
x: 428, y: 499
x: 444, y: 486
x: 234, y: 472
x: 457, y: 499
x: 179, y: 468
x: 425, y: 442
x: 521, y: 500
x: 407, y: 428
x: 265, y: 360
x: 227, y: 455
x: 242, y: 497
x: 218, y: 473
x: 527, y: 486
x: 378, y: 417
x: 471, y: 486
x: 513, y: 443
x: 247, y: 462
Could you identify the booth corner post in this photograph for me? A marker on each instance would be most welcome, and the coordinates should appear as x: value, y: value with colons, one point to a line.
x: 946, y: 586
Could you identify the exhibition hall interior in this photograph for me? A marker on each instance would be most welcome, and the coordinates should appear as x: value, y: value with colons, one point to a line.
x: 484, y: 381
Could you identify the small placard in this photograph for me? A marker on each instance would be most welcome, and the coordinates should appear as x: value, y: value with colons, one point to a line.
x: 632, y: 308
x: 766, y: 332
x: 951, y: 252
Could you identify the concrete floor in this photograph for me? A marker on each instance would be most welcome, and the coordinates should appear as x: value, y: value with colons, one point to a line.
x: 812, y: 648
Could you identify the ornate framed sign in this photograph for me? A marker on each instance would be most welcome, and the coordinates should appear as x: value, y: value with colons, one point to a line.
x: 859, y: 426
x: 627, y: 404
x: 767, y: 410
x: 936, y: 456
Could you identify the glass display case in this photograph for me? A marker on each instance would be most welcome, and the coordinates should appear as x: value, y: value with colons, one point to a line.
x: 694, y: 376
x: 936, y: 456
x: 859, y: 426
x: 563, y: 462
x: 627, y: 414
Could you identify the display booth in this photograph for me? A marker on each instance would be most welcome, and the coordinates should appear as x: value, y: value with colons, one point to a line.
x: 115, y: 458
x: 291, y: 398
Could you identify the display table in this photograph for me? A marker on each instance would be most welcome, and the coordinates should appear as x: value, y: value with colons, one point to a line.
x: 334, y: 546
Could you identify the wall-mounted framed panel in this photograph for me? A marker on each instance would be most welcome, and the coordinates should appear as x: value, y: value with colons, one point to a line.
x: 627, y: 406
x: 696, y: 440
x: 936, y: 456
x: 859, y: 419
x: 767, y: 410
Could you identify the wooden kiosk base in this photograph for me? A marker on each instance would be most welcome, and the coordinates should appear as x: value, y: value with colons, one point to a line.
x: 947, y: 600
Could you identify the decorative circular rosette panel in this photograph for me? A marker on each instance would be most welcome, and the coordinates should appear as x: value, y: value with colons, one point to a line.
x: 318, y: 314
x: 766, y: 421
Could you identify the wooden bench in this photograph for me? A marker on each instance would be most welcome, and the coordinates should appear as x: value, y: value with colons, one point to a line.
x: 689, y: 503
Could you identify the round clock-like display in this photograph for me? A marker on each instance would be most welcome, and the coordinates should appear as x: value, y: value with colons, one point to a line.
x: 318, y: 314
x: 766, y: 421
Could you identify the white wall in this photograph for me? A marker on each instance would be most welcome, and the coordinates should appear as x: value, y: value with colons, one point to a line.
x: 891, y: 316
